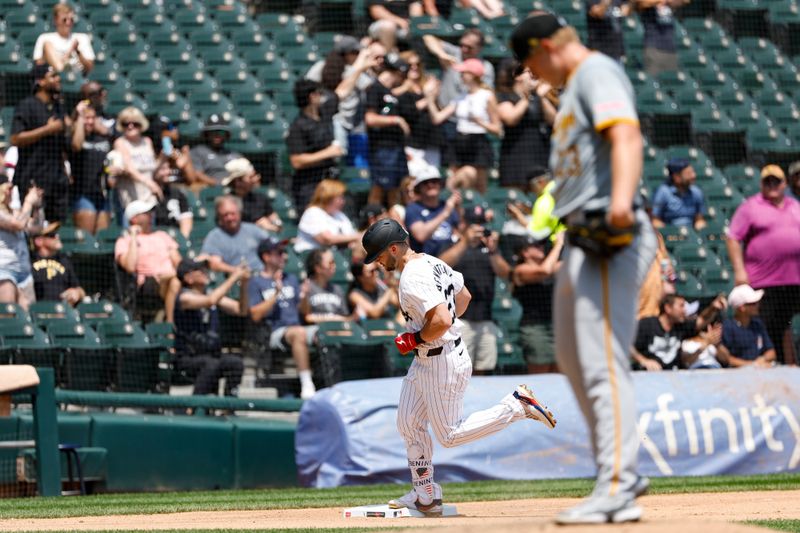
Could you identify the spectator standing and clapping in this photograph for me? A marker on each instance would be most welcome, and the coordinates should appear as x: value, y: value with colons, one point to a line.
x: 232, y: 241
x: 470, y: 46
x: 604, y: 24
x: 764, y: 248
x: 54, y: 277
x: 745, y: 336
x: 313, y: 152
x: 149, y: 255
x: 16, y: 280
x: 658, y: 19
x: 370, y: 293
x: 387, y: 131
x: 172, y: 208
x: 679, y: 202
x: 275, y: 298
x: 431, y: 221
x: 197, y: 339
x: 527, y: 116
x: 243, y: 180
x: 63, y: 49
x: 38, y: 131
x: 532, y: 279
x: 323, y: 223
x: 476, y: 114
x: 135, y: 182
x: 210, y: 157
x: 476, y: 256
x: 424, y: 142
x: 88, y: 194
x: 321, y: 300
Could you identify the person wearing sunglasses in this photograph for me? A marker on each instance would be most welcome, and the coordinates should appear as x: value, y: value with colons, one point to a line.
x: 135, y: 182
x: 64, y: 49
x: 764, y: 248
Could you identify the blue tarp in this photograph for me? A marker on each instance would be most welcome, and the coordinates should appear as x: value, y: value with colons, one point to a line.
x: 744, y: 421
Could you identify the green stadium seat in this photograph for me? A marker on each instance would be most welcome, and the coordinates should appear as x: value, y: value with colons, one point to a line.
x: 235, y: 81
x: 673, y: 81
x: 710, y: 34
x: 295, y: 264
x: 161, y: 333
x: 764, y: 138
x: 87, y: 361
x: 109, y: 19
x: 107, y: 72
x: 282, y: 203
x: 147, y: 21
x: 136, y: 365
x: 45, y: 313
x: 29, y: 345
x: 11, y: 313
x: 510, y: 358
x: 696, y: 156
x: 166, y: 39
x: 26, y: 37
x: 386, y: 330
x: 190, y: 20
x: 24, y: 17
x: 76, y: 239
x: 722, y: 197
x: 688, y: 286
x: 96, y: 313
x: 12, y: 58
x: 507, y: 311
x: 679, y: 235
x: 714, y: 232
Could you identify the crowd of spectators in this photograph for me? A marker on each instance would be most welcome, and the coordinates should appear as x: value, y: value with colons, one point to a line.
x: 427, y: 142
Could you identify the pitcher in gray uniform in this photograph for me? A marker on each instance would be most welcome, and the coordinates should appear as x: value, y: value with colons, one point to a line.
x: 596, y: 161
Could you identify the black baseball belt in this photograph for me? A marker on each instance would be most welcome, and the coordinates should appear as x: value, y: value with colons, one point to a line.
x: 436, y: 351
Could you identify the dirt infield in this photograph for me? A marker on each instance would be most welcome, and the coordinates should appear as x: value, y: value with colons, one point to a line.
x: 687, y: 513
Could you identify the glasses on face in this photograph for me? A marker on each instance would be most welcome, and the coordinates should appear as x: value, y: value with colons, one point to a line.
x: 68, y: 20
x: 127, y: 124
x: 467, y: 46
x: 771, y: 181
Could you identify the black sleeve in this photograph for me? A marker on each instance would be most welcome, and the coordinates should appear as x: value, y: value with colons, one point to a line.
x: 643, y: 335
x: 21, y: 118
x: 407, y: 106
x: 295, y: 141
x: 507, y: 97
x: 330, y: 107
x: 183, y: 203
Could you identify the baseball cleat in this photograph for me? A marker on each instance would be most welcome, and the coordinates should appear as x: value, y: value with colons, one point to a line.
x: 533, y: 409
x: 411, y: 501
x: 601, y: 511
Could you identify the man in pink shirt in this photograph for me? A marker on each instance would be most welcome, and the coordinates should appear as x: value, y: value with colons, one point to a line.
x: 149, y: 254
x: 764, y: 248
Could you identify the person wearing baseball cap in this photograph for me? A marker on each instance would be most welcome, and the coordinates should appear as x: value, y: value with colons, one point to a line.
x: 794, y: 180
x: 198, y: 348
x: 764, y: 248
x: 596, y: 162
x: 476, y: 116
x: 210, y: 157
x: 678, y: 201
x: 430, y: 220
x: 275, y: 298
x: 54, y: 276
x: 243, y: 181
x: 745, y: 335
x: 150, y: 256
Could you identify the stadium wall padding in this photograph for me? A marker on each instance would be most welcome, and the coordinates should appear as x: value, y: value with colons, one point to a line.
x: 705, y: 422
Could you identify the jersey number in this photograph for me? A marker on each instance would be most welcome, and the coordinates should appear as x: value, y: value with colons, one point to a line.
x: 448, y: 295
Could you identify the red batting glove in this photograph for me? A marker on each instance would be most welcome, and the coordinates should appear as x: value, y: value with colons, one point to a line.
x: 405, y: 342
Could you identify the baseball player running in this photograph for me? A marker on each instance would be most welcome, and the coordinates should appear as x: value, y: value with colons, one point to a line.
x: 432, y: 297
x: 596, y: 161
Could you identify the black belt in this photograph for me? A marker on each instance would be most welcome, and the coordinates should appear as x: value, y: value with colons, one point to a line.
x: 436, y: 351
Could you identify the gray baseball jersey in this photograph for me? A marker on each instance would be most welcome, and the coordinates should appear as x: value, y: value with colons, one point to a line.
x: 597, y: 96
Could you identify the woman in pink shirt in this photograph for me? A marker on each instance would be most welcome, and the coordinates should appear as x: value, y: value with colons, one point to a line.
x: 764, y: 248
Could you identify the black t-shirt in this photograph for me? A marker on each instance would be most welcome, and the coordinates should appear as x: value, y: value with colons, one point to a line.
x: 395, y: 7
x: 653, y: 342
x: 255, y: 205
x: 424, y: 134
x: 605, y: 34
x: 659, y: 28
x: 41, y: 161
x: 525, y: 145
x: 476, y: 267
x: 173, y: 208
x: 537, y: 302
x: 190, y: 322
x: 87, y: 166
x: 307, y: 135
x: 52, y: 276
x: 381, y: 101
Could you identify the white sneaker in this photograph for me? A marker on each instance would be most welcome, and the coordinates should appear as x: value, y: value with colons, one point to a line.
x: 533, y: 409
x: 307, y: 392
x: 411, y: 500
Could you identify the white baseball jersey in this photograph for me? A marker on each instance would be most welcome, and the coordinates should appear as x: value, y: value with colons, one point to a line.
x: 425, y: 283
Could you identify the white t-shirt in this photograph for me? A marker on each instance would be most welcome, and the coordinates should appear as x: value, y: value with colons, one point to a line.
x: 63, y: 45
x: 314, y: 221
x: 706, y: 359
x: 472, y: 105
x: 425, y: 283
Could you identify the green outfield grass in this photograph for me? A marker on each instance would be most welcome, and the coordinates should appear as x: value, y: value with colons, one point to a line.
x: 298, y: 498
x: 779, y: 525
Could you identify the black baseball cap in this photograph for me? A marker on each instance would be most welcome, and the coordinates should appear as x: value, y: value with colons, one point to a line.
x: 190, y: 265
x: 395, y: 62
x: 270, y: 244
x: 380, y: 235
x: 528, y: 33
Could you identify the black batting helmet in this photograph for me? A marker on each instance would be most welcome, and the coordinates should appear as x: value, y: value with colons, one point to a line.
x: 380, y: 235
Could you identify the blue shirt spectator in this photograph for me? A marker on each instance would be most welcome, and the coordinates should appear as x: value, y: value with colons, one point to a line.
x: 284, y: 313
x: 431, y: 223
x: 232, y: 240
x: 679, y: 202
x: 745, y: 335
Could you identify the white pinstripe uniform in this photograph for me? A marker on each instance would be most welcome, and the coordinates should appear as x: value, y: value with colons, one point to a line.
x: 433, y: 390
